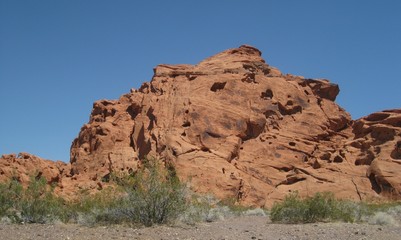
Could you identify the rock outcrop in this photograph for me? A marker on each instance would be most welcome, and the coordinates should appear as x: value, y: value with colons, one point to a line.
x: 377, y: 144
x: 236, y: 127
x: 25, y: 165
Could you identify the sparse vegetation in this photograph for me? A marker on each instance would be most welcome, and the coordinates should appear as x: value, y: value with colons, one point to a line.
x: 34, y: 204
x: 321, y: 207
x: 38, y: 204
x: 9, y: 195
x: 324, y: 207
x: 154, y: 195
x: 91, y: 209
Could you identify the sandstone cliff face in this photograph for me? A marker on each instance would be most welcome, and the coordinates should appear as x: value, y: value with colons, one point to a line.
x: 238, y: 128
x: 377, y: 144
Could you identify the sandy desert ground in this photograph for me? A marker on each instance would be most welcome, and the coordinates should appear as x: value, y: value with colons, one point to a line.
x: 250, y: 227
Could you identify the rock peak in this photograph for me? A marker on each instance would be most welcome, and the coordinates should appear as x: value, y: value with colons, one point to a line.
x: 250, y: 50
x: 244, y: 53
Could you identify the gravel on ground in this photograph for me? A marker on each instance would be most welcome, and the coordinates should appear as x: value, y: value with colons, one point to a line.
x: 250, y: 227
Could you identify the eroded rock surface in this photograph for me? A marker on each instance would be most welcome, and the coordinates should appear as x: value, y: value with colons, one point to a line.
x: 238, y: 128
x: 24, y: 166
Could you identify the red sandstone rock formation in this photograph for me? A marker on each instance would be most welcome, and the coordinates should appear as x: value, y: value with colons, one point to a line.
x: 377, y: 144
x: 24, y: 166
x: 238, y: 128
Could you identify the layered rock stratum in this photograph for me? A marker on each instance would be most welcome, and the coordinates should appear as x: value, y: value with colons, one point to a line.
x: 235, y: 127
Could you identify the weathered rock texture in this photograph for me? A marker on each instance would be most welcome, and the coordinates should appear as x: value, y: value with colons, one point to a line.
x: 238, y: 128
x: 25, y: 166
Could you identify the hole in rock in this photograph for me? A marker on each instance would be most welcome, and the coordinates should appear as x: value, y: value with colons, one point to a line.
x: 375, y: 185
x: 383, y: 133
x: 191, y: 77
x: 337, y: 159
x: 293, y: 179
x: 213, y: 135
x: 325, y: 156
x: 365, y: 159
x: 174, y: 153
x: 270, y: 113
x: 218, y: 86
x: 285, y: 169
x: 289, y: 109
x: 204, y: 149
x: 268, y: 94
x: 186, y: 124
x: 292, y: 144
x: 133, y: 110
x: 396, y: 153
x: 106, y: 178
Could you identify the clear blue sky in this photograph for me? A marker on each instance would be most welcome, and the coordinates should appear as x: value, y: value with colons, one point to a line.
x: 58, y: 57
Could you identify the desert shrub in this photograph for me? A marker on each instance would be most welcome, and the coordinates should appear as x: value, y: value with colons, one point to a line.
x: 233, y: 205
x: 154, y: 195
x: 382, y: 213
x: 395, y: 211
x: 320, y: 207
x: 10, y: 193
x: 230, y: 207
x: 34, y: 204
x: 382, y: 218
x: 291, y: 210
x: 255, y: 212
x: 38, y: 204
x: 207, y: 208
x: 89, y: 209
x: 198, y: 208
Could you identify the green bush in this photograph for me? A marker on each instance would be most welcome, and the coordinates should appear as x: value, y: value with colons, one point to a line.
x: 10, y: 193
x: 38, y: 204
x: 34, y: 204
x: 154, y: 195
x: 318, y: 208
x: 87, y: 209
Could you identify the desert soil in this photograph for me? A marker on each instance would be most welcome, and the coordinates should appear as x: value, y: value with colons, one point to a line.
x: 252, y: 227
